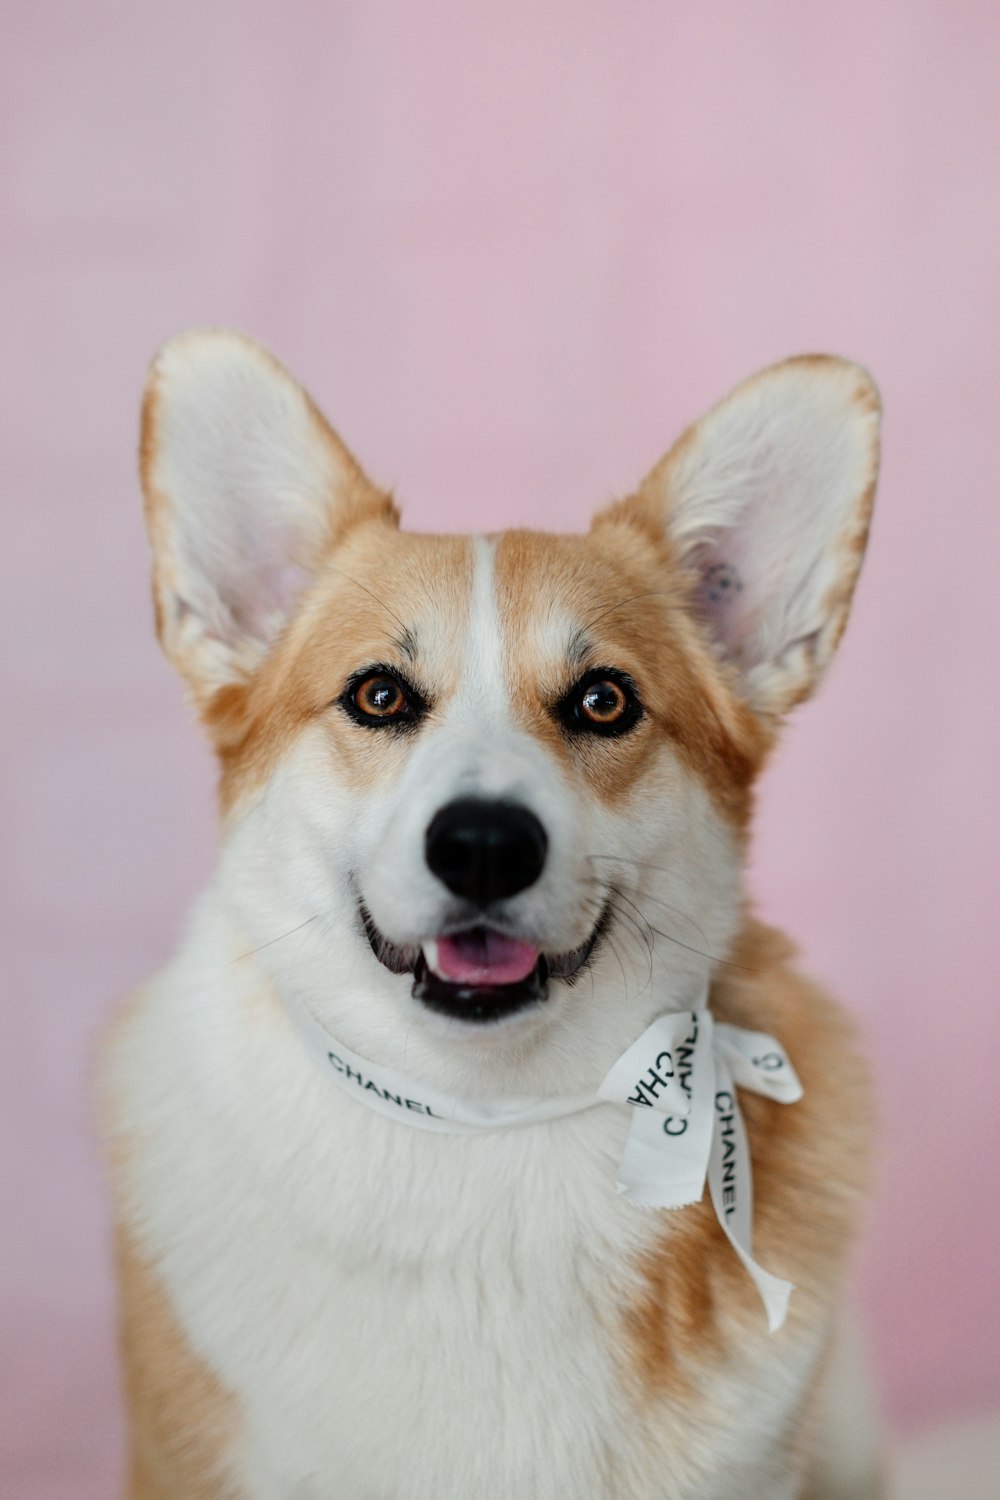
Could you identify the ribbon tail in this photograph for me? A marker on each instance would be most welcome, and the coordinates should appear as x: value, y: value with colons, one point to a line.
x: 758, y: 1062
x: 774, y: 1292
x: 730, y: 1182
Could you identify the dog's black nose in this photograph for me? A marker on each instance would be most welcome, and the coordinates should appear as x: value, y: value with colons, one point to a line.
x: 485, y: 851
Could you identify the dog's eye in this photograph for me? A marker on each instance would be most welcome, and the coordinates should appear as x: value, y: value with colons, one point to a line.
x: 380, y: 697
x: 603, y: 702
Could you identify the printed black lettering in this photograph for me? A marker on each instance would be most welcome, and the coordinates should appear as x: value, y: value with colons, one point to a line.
x: 726, y: 1106
x: 338, y: 1062
x: 729, y: 1185
x: 415, y: 1104
x: 685, y: 1057
x: 769, y: 1063
x: 350, y: 1073
x: 672, y: 1125
x: 392, y: 1098
x: 657, y: 1077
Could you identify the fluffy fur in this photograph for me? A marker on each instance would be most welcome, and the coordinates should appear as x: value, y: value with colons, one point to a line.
x: 317, y: 1302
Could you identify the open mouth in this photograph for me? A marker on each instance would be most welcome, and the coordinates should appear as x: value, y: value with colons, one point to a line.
x: 481, y: 974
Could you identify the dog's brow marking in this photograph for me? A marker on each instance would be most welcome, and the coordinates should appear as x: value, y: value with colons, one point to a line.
x: 579, y: 648
x: 406, y: 642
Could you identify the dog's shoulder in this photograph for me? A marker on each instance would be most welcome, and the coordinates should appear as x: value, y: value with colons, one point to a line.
x: 826, y: 1136
x: 810, y: 1159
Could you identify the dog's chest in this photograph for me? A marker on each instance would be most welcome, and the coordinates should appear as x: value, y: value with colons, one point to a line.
x: 400, y: 1314
x: 477, y: 1361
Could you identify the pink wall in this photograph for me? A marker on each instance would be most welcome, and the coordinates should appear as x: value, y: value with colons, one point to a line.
x: 511, y: 248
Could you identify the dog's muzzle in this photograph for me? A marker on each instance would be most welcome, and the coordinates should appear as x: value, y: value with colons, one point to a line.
x: 477, y: 968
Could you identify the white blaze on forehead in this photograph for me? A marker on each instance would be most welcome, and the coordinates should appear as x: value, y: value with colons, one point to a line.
x: 482, y: 689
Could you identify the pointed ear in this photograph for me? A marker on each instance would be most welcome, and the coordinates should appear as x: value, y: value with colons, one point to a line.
x: 766, y: 504
x: 246, y: 487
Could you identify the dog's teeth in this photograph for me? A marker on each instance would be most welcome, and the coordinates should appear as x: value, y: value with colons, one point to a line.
x: 431, y: 956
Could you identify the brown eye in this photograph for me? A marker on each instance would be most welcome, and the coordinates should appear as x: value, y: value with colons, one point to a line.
x: 380, y: 697
x: 603, y: 703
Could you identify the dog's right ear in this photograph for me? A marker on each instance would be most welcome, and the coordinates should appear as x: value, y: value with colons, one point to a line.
x: 246, y: 489
x: 765, y: 505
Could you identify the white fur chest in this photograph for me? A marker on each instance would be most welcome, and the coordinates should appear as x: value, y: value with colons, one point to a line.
x: 400, y: 1314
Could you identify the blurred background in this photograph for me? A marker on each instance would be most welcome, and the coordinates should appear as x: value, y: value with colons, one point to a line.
x: 511, y: 249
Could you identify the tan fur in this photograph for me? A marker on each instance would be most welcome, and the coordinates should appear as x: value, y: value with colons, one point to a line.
x: 181, y: 1420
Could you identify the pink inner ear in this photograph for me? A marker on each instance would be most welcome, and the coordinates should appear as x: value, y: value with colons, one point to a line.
x: 267, y: 597
x: 720, y: 600
x: 256, y: 574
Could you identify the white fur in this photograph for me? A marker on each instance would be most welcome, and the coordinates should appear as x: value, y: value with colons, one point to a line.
x: 849, y: 1450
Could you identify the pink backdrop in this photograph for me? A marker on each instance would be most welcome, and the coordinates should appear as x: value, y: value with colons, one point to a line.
x: 511, y: 248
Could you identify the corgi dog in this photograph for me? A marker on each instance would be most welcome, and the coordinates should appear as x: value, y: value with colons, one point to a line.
x: 382, y: 1226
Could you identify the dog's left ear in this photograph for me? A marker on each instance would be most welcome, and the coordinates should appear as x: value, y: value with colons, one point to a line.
x: 766, y: 504
x: 246, y: 488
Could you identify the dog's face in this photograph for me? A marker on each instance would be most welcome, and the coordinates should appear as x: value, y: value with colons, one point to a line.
x: 493, y: 793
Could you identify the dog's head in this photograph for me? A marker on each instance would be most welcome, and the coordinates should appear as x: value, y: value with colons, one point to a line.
x: 492, y: 793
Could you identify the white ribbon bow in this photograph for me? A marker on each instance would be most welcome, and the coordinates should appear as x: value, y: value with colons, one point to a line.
x: 680, y: 1080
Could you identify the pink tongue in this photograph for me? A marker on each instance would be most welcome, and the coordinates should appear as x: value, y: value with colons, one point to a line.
x: 483, y: 958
